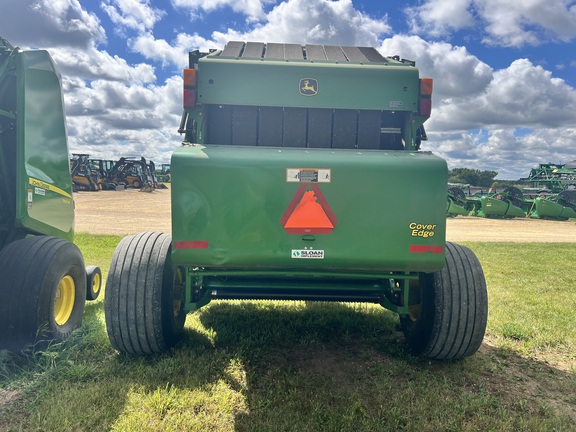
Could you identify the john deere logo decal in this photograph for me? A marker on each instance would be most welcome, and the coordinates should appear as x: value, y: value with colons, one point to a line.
x: 308, y: 87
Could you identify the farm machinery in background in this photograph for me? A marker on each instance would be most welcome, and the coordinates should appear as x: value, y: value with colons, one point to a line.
x: 134, y: 173
x: 553, y: 177
x: 552, y: 195
x: 164, y: 174
x: 84, y: 178
x: 98, y: 174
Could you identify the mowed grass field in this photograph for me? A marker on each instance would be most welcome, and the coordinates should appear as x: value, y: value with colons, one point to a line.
x: 292, y: 366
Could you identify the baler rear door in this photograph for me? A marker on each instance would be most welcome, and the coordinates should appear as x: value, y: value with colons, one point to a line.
x: 308, y: 209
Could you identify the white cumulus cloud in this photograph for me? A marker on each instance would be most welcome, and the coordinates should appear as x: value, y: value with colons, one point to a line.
x: 253, y: 9
x: 499, y: 22
x: 439, y: 17
x: 133, y: 14
x: 49, y: 23
x: 314, y: 21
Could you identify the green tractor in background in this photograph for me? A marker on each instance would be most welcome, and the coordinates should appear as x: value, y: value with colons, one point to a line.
x: 43, y: 281
x: 301, y: 178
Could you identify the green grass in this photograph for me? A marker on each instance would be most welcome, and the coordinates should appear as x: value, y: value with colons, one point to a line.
x: 97, y: 249
x: 289, y: 366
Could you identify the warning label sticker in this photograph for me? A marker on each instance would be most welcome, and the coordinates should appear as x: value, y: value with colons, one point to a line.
x: 308, y: 175
x: 307, y: 254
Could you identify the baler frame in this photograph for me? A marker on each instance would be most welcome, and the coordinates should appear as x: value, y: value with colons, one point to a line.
x: 390, y: 291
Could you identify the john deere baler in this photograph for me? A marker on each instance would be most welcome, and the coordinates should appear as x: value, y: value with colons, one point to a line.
x: 43, y: 281
x: 301, y: 177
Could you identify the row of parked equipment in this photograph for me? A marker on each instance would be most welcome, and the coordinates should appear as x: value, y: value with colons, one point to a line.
x: 512, y: 202
x: 552, y: 195
x: 98, y: 174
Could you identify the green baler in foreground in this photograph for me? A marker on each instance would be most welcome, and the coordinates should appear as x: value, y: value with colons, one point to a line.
x: 43, y: 281
x: 301, y: 177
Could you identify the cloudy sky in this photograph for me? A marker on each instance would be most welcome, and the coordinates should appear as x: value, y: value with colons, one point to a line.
x: 504, y: 70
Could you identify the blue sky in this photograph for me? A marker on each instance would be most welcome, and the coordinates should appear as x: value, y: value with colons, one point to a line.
x: 504, y: 70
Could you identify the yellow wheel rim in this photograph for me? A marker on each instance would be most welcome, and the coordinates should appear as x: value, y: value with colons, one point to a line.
x: 95, y: 284
x: 64, y: 302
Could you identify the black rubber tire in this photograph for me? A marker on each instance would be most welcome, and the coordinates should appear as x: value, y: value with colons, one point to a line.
x: 93, y: 282
x: 451, y: 321
x: 141, y: 316
x: 513, y: 195
x: 459, y: 197
x: 513, y: 192
x: 567, y: 198
x: 32, y: 269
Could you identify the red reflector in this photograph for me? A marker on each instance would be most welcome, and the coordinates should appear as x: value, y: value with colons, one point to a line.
x: 425, y: 107
x: 426, y: 248
x: 189, y: 77
x: 189, y: 98
x: 426, y: 85
x: 191, y: 245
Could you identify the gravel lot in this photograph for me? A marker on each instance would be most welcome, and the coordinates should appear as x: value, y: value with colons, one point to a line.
x: 131, y: 211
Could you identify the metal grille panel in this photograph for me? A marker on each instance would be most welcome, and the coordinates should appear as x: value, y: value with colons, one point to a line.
x: 278, y: 51
x: 232, y: 49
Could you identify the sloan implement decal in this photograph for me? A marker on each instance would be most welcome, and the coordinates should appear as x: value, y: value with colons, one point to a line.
x: 307, y: 254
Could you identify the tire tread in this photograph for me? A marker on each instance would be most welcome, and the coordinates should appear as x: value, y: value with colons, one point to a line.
x: 456, y: 309
x: 134, y: 303
x: 32, y: 266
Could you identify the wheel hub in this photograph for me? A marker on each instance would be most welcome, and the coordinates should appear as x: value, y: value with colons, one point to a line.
x: 64, y: 301
x: 95, y: 283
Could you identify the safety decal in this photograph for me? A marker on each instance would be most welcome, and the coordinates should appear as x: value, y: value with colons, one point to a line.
x: 308, y: 212
x: 308, y: 175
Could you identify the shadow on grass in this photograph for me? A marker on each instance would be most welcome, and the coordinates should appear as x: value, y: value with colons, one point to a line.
x: 342, y: 367
x: 262, y: 366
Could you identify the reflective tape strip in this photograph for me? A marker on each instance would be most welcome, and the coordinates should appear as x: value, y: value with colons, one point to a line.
x: 191, y: 245
x: 426, y: 248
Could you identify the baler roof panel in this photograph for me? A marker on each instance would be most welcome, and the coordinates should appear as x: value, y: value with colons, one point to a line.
x: 295, y: 52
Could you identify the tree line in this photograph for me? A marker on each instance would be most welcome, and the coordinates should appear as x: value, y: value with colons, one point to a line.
x: 476, y: 177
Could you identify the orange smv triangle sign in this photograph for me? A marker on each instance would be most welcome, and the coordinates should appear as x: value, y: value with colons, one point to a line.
x: 309, y: 213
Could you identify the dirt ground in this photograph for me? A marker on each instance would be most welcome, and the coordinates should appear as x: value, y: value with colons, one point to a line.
x: 131, y: 211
